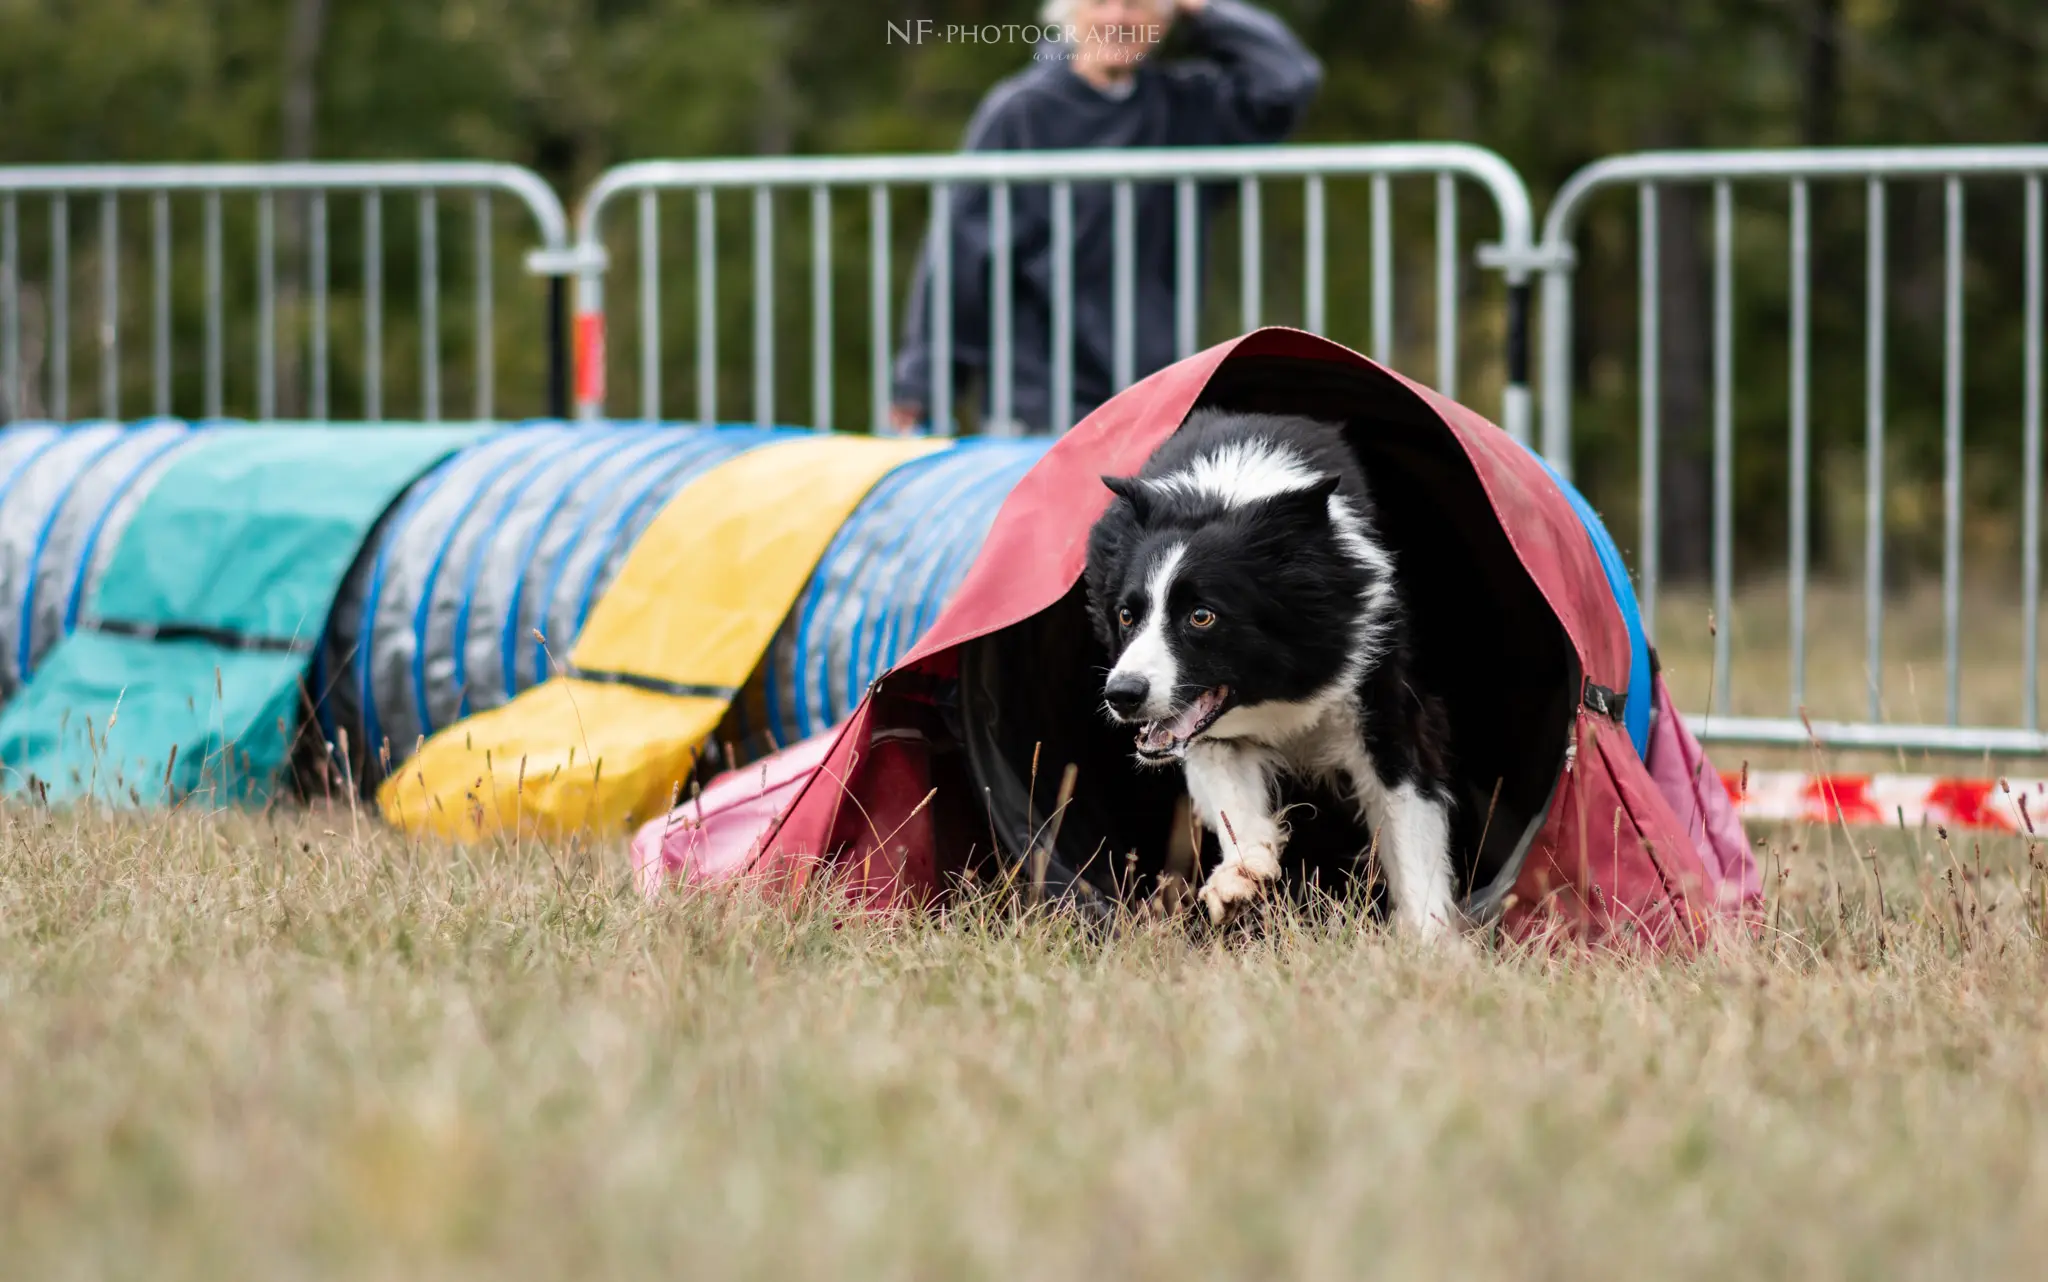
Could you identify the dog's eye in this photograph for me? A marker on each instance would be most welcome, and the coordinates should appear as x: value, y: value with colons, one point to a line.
x: 1202, y: 617
x: 1124, y: 619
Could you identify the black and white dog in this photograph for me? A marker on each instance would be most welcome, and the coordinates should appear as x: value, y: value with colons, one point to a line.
x: 1260, y: 632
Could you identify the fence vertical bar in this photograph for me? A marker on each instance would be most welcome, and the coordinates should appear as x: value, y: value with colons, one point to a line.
x: 266, y: 306
x: 10, y: 308
x: 1062, y: 306
x: 2030, y: 483
x: 60, y: 308
x: 880, y: 376
x: 373, y: 306
x: 650, y: 306
x: 215, y: 358
x: 430, y: 308
x: 110, y: 307
x: 486, y: 335
x: 1187, y: 286
x: 764, y: 307
x: 1952, y: 448
x: 1002, y: 323
x: 707, y: 307
x: 1250, y: 255
x: 1124, y: 273
x: 1447, y: 285
x: 1873, y: 446
x: 821, y: 307
x: 316, y: 254
x: 1382, y: 269
x: 1649, y: 401
x: 2030, y: 420
x: 1557, y: 365
x: 160, y: 304
x: 1315, y: 285
x: 941, y: 311
x: 1724, y: 439
x: 1800, y: 480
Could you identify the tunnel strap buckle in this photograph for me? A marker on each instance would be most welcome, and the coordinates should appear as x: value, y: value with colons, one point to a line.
x: 1604, y: 701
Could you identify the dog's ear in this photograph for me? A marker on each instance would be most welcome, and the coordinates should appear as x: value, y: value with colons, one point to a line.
x: 1132, y: 491
x: 1311, y: 503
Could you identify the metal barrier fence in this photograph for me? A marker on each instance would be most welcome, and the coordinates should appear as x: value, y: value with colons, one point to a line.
x: 1001, y: 173
x: 309, y: 186
x: 1795, y: 170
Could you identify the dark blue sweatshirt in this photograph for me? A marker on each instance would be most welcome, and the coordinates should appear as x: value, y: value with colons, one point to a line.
x: 1250, y: 84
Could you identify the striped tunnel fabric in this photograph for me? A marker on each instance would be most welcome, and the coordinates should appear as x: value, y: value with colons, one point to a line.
x: 880, y: 584
x: 476, y: 584
x: 66, y: 493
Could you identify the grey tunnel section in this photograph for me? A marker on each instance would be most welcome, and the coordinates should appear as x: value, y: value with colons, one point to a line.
x: 66, y: 494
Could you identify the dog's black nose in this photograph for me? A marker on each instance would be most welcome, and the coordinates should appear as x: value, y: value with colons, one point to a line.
x: 1126, y: 693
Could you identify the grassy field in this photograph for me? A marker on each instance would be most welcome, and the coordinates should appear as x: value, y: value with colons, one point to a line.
x: 237, y: 1046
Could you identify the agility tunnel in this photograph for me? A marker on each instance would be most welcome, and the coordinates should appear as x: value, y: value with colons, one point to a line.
x: 232, y: 588
x: 665, y: 653
x: 483, y: 576
x: 778, y: 573
x: 1570, y: 823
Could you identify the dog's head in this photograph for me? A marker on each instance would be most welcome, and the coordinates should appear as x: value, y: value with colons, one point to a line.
x: 1208, y: 608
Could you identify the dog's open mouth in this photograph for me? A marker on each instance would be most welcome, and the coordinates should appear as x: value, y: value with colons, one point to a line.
x: 1168, y: 740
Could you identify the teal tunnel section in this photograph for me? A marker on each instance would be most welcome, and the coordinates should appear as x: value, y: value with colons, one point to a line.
x: 477, y: 584
x: 880, y: 584
x: 66, y: 495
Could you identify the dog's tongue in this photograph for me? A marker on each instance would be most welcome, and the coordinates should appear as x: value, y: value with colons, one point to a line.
x: 1159, y: 736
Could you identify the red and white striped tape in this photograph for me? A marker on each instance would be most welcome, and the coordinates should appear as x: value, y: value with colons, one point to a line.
x: 1794, y: 796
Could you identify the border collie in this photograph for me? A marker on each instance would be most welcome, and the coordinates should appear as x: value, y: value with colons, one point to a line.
x: 1260, y: 633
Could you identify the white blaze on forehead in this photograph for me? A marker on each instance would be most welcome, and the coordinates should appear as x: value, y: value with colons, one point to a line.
x: 1241, y: 473
x: 1149, y: 655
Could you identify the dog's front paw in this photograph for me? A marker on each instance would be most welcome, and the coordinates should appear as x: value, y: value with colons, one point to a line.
x: 1231, y: 889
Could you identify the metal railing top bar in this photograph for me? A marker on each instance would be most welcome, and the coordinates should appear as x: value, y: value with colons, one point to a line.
x: 1785, y: 165
x: 549, y: 216
x: 1097, y: 165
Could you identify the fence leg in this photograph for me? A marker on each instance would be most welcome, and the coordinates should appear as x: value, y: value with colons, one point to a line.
x: 558, y: 350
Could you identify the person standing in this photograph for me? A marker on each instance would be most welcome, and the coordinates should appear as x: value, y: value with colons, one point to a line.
x: 1249, y: 82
